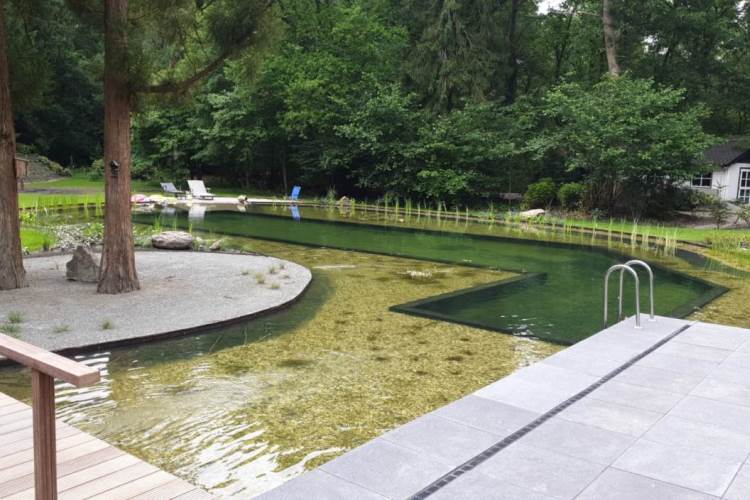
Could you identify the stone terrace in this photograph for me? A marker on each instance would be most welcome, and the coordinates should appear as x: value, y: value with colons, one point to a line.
x: 658, y: 413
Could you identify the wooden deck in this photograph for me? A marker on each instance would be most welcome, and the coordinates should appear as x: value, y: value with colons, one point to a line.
x: 87, y: 467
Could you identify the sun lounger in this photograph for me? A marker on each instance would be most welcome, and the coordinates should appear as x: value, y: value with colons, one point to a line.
x: 169, y: 189
x: 198, y: 190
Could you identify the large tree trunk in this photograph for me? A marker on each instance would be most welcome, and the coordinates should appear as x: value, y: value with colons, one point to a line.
x: 610, y: 38
x: 12, y: 273
x: 118, y: 273
x: 511, y: 82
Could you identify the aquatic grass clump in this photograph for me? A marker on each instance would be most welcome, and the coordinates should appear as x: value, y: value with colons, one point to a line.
x: 15, y: 317
x: 107, y: 324
x: 273, y: 270
x: 12, y: 329
x: 61, y: 329
x: 260, y: 278
x: 275, y: 286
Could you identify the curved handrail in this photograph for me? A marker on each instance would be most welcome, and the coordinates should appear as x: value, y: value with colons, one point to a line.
x: 623, y: 267
x: 641, y: 263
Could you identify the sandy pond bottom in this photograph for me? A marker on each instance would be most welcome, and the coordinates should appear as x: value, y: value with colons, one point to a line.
x: 241, y: 410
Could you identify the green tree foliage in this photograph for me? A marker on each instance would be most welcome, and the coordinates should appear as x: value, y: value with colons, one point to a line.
x: 541, y: 194
x: 55, y: 67
x: 455, y: 101
x: 627, y: 137
x: 571, y: 195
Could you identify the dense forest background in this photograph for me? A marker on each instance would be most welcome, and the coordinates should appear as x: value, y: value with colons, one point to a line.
x: 454, y: 100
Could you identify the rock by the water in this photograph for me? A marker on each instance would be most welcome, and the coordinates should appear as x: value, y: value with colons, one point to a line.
x: 172, y: 240
x: 216, y: 245
x: 83, y: 266
x: 532, y: 214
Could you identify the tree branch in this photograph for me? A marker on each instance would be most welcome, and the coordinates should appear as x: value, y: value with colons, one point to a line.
x: 178, y: 87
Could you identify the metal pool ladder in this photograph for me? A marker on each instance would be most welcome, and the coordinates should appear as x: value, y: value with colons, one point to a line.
x: 628, y: 266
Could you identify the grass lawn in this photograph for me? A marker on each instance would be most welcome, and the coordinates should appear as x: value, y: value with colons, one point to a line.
x: 681, y: 233
x: 80, y: 181
x: 35, y: 240
x: 79, y: 189
x: 74, y: 190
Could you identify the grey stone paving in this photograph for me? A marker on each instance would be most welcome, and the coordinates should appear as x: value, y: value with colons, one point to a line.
x: 671, y: 424
x: 179, y: 290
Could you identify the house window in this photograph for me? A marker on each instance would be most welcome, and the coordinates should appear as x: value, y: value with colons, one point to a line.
x: 743, y: 194
x: 703, y: 180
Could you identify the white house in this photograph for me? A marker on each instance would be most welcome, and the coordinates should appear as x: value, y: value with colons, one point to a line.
x: 730, y: 178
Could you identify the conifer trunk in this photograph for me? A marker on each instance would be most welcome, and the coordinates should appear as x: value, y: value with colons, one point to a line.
x: 511, y: 83
x: 118, y: 273
x: 12, y: 273
x: 610, y: 38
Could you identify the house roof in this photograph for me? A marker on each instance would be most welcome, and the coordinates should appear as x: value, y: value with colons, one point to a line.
x: 732, y: 151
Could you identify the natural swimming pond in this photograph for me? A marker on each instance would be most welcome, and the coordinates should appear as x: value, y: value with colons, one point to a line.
x: 558, y: 298
x: 239, y: 410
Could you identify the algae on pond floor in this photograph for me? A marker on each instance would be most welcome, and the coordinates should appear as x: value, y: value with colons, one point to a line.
x: 337, y: 369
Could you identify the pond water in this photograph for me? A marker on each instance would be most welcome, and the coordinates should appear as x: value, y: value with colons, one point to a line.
x: 240, y: 410
x: 560, y: 300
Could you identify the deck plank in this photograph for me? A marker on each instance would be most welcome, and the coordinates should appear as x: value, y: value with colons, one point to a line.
x: 133, y: 473
x: 172, y: 489
x: 86, y: 466
x: 196, y: 494
x: 63, y: 469
x: 131, y: 489
x: 27, y: 454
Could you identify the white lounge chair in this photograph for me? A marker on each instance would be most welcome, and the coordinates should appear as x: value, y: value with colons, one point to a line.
x: 198, y: 190
x: 168, y: 188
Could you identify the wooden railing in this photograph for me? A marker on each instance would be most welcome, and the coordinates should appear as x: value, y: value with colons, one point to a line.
x: 45, y: 368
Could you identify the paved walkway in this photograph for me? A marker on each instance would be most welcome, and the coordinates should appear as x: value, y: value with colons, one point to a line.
x: 180, y: 293
x: 86, y: 467
x: 658, y: 413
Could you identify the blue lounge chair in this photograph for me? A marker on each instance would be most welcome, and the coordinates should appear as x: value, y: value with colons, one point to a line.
x: 295, y: 193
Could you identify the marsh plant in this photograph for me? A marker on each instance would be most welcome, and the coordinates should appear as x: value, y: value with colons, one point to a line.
x: 107, y: 324
x: 11, y: 329
x: 61, y: 329
x: 273, y: 270
x: 260, y: 278
x: 275, y: 286
x: 15, y: 317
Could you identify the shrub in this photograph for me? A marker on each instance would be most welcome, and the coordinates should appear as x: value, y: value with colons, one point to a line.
x: 540, y: 194
x: 719, y: 211
x: 571, y: 195
x: 96, y: 171
x: 743, y: 214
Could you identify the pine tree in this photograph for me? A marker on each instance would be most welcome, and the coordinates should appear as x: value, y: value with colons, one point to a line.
x: 12, y: 273
x: 139, y: 35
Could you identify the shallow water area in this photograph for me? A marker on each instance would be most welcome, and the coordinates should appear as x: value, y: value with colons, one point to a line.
x: 240, y: 410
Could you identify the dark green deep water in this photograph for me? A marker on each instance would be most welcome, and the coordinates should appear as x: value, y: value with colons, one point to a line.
x: 558, y: 298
